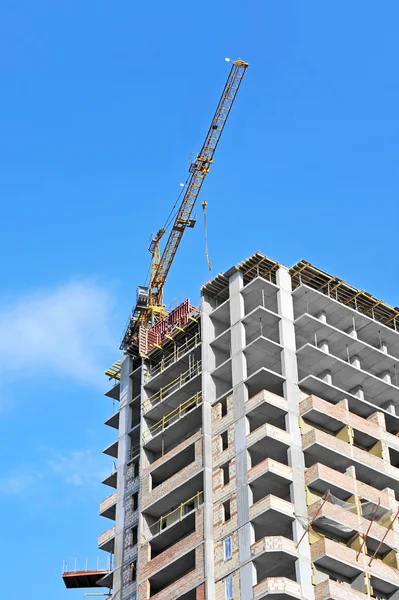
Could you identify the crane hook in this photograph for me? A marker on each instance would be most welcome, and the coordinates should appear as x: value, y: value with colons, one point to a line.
x: 204, y: 205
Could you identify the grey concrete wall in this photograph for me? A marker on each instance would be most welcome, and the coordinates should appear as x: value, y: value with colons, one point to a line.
x: 295, y: 455
x: 240, y: 395
x: 123, y: 455
x: 208, y: 398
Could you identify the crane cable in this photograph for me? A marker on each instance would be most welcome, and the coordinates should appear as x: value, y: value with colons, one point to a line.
x: 204, y: 204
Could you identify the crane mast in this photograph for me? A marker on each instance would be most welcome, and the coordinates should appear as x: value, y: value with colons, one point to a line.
x: 149, y: 306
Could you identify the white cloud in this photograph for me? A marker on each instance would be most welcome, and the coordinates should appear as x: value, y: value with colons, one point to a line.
x: 17, y: 483
x: 81, y: 467
x: 77, y: 468
x: 62, y: 331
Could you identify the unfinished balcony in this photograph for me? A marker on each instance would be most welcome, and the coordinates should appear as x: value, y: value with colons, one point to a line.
x: 261, y: 321
x: 373, y: 358
x: 174, y: 427
x: 278, y: 588
x: 345, y: 318
x: 222, y: 343
x: 267, y: 441
x: 331, y: 451
x: 345, y: 376
x: 334, y: 590
x: 220, y: 319
x: 87, y: 572
x: 174, y: 526
x: 271, y: 516
x: 266, y: 407
x: 333, y: 417
x: 260, y: 292
x: 167, y: 498
x: 324, y: 387
x: 108, y: 507
x: 269, y: 477
x: 175, y: 392
x: 321, y: 479
x: 350, y: 522
x: 222, y: 374
x: 169, y: 472
x: 274, y: 556
x: 112, y: 479
x: 106, y: 540
x: 347, y: 564
x: 262, y: 352
x: 173, y: 577
x: 164, y: 366
x: 112, y: 449
x: 113, y: 421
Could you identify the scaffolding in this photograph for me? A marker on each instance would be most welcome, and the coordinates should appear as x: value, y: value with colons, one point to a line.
x: 172, y: 386
x: 169, y: 358
x: 177, y: 514
x: 114, y: 371
x: 173, y: 416
x: 303, y: 273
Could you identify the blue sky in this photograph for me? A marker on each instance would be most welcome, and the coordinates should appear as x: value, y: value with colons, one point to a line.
x: 102, y: 104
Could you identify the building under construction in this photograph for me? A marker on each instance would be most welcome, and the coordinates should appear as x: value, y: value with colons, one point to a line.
x: 256, y: 445
x: 256, y: 442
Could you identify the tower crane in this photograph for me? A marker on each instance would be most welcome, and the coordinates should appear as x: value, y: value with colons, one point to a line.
x: 149, y: 306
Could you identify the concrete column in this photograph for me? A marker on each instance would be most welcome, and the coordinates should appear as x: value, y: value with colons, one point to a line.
x: 386, y: 376
x: 384, y: 347
x: 390, y: 407
x: 208, y: 398
x: 326, y: 376
x: 355, y: 362
x: 123, y: 457
x: 358, y: 391
x: 322, y: 317
x: 323, y: 345
x: 295, y: 454
x: 240, y: 395
x: 352, y: 329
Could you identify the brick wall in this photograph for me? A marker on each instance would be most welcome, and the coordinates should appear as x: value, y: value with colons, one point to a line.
x: 148, y: 567
x: 353, y: 486
x: 268, y: 430
x: 223, y: 567
x: 150, y: 496
x: 220, y: 587
x: 356, y: 454
x: 191, y: 580
x: 374, y: 425
x: 326, y: 547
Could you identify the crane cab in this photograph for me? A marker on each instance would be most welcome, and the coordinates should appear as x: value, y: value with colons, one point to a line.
x: 142, y: 299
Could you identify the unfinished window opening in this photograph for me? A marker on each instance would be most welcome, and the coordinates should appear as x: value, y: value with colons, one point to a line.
x: 135, y: 500
x: 394, y: 457
x: 133, y: 571
x: 227, y: 510
x: 223, y: 405
x: 224, y: 440
x: 226, y: 472
x: 136, y: 468
x: 133, y: 536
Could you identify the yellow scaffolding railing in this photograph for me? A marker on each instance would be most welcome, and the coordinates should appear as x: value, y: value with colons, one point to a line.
x: 172, y: 357
x: 114, y: 371
x: 170, y: 387
x: 175, y: 515
x: 173, y: 416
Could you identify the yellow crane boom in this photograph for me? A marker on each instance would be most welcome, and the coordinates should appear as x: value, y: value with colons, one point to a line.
x: 150, y: 300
